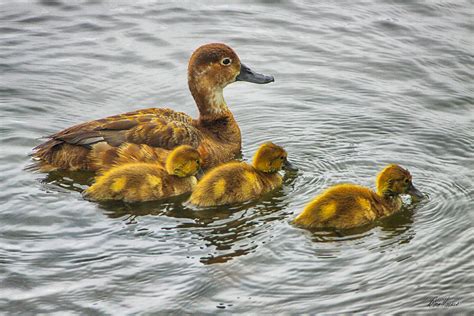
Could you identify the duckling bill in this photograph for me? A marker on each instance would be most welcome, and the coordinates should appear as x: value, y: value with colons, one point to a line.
x: 348, y: 205
x: 237, y: 182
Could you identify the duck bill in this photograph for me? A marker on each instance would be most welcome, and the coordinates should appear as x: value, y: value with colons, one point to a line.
x: 247, y: 74
x: 415, y: 194
x: 199, y: 174
x: 289, y: 166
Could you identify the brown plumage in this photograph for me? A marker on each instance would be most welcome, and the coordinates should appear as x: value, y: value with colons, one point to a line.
x: 105, y: 156
x: 349, y: 205
x: 215, y: 133
x: 235, y: 182
x: 147, y: 181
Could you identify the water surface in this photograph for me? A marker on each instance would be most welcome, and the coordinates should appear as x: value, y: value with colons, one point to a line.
x: 358, y: 85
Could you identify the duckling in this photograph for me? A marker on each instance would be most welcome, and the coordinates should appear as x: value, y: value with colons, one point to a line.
x: 215, y: 133
x: 235, y: 182
x: 147, y: 181
x: 348, y: 205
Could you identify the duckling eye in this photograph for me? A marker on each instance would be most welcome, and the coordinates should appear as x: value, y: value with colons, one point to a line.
x: 226, y: 61
x: 406, y: 180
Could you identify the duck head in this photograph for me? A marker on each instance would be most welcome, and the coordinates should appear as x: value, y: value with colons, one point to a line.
x: 183, y: 161
x: 270, y: 158
x: 211, y: 68
x: 393, y: 180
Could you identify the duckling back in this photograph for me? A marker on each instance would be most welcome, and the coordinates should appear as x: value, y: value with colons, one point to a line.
x: 342, y: 206
x: 138, y: 182
x: 104, y: 156
x: 233, y: 182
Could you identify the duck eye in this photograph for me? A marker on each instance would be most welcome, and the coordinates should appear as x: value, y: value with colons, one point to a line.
x: 226, y: 61
x: 406, y: 180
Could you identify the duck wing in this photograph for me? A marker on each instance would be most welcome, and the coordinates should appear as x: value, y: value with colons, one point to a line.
x: 162, y: 128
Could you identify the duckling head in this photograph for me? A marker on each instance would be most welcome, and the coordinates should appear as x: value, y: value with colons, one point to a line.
x: 270, y: 158
x: 183, y: 161
x: 211, y: 68
x: 394, y: 180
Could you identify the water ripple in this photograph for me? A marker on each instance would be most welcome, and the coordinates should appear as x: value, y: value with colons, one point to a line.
x: 358, y: 86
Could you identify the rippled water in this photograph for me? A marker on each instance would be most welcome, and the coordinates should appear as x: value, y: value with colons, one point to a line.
x: 358, y: 84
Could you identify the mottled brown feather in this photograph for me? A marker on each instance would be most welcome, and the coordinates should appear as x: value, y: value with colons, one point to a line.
x: 215, y: 134
x: 105, y: 156
x: 167, y: 131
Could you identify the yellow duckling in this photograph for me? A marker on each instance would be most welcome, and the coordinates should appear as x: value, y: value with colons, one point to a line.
x: 235, y: 182
x: 349, y: 205
x: 147, y: 181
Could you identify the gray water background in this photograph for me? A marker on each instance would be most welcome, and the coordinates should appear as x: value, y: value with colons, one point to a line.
x: 358, y: 85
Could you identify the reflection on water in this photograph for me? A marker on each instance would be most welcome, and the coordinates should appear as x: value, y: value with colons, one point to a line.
x: 227, y: 232
x: 396, y: 228
x: 358, y: 85
x: 71, y: 180
x: 224, y: 232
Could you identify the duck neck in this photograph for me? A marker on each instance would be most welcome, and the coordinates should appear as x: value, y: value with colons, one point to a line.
x: 270, y: 180
x: 209, y: 100
x: 392, y: 201
x: 214, y: 115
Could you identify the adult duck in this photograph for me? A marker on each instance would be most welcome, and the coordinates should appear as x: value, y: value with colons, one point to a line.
x: 215, y: 134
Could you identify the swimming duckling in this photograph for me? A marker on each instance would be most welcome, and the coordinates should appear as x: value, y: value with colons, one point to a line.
x: 349, y: 205
x: 147, y: 181
x: 235, y: 182
x: 215, y: 133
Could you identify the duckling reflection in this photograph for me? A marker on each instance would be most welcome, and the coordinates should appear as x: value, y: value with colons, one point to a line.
x: 142, y: 181
x: 64, y: 181
x: 222, y: 233
x: 236, y: 182
x: 241, y: 226
x: 347, y: 205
